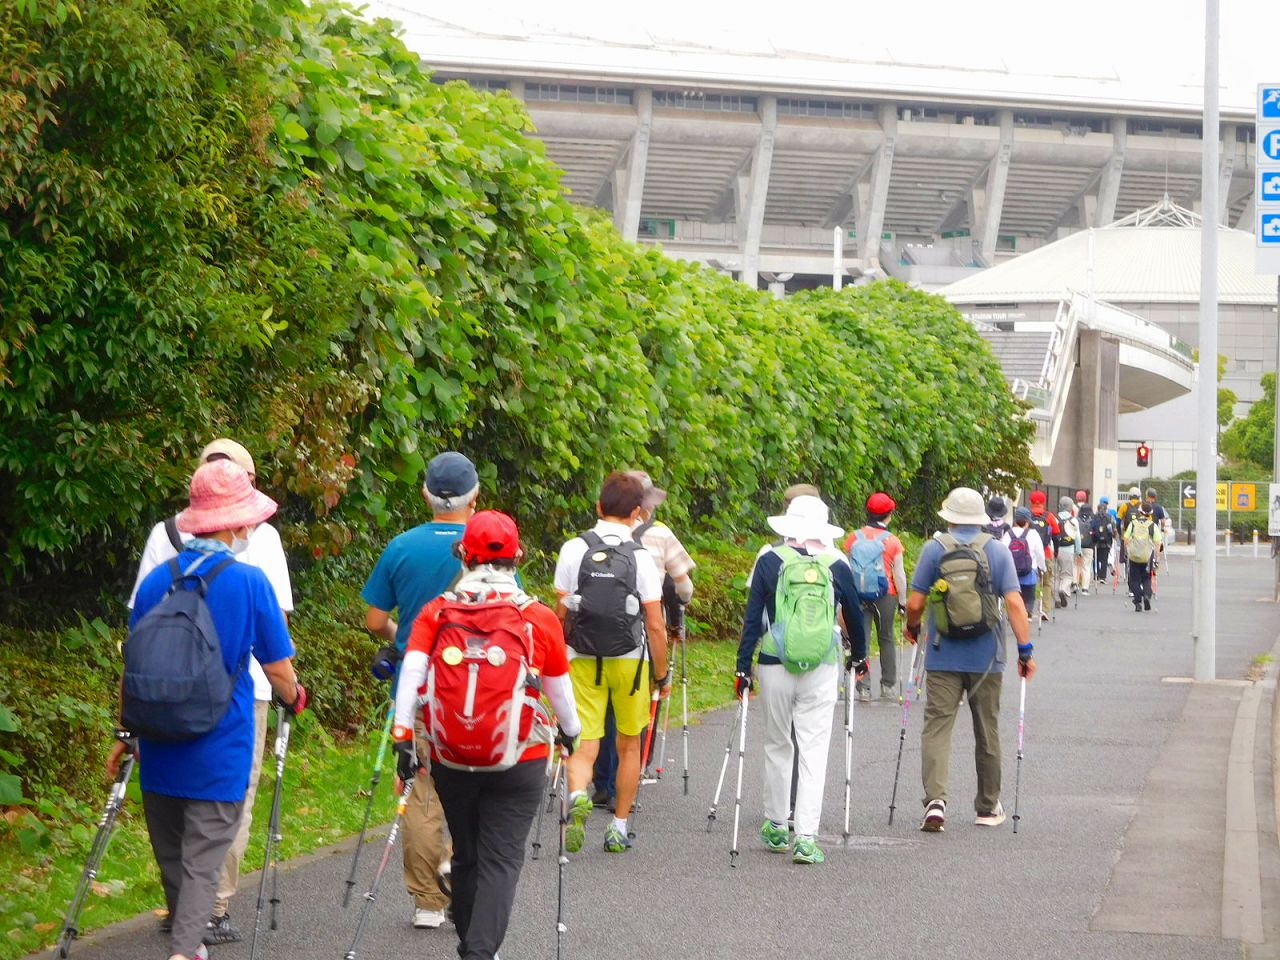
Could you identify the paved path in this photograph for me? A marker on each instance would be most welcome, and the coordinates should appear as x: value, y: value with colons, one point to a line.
x: 1120, y: 852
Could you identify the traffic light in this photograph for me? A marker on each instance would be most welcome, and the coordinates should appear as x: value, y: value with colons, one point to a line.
x: 1144, y: 455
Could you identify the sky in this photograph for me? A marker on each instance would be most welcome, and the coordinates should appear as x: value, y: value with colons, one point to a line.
x: 1157, y: 40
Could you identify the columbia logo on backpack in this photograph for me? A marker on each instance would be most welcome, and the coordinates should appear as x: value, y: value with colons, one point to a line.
x: 176, y: 687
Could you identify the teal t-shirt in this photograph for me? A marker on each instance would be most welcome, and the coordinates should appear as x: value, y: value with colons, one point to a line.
x: 416, y: 567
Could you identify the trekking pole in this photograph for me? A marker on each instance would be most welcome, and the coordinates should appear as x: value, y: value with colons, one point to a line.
x: 553, y: 776
x: 561, y: 863
x: 684, y: 699
x: 848, y: 748
x: 271, y: 849
x: 635, y: 804
x: 372, y: 893
x: 905, y: 699
x: 737, y: 799
x: 724, y: 767
x: 97, y: 850
x: 368, y: 807
x: 1017, y: 777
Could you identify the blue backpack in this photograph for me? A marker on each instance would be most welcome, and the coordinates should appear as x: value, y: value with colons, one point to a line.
x: 866, y: 557
x: 175, y: 686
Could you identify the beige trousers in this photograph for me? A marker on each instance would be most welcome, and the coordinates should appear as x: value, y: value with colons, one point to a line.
x: 426, y: 846
x: 230, y: 876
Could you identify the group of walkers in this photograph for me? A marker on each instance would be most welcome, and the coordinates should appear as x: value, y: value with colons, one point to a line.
x: 500, y: 700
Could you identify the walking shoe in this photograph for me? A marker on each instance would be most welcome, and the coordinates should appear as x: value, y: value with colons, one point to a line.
x: 221, y: 930
x: 1146, y: 604
x: 601, y: 798
x: 575, y: 833
x: 935, y: 817
x: 444, y: 878
x: 424, y: 919
x: 775, y: 837
x: 864, y: 694
x: 1137, y: 607
x: 992, y: 819
x: 888, y: 692
x: 166, y: 923
x: 807, y: 851
x: 1044, y: 617
x: 615, y: 841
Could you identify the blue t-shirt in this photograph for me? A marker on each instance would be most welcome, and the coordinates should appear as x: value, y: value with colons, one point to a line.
x: 247, y: 617
x: 416, y: 567
x: 981, y: 654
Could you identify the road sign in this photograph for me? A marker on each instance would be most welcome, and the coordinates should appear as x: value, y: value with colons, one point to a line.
x: 1269, y: 144
x: 1188, y: 495
x: 1242, y: 496
x: 1221, y: 497
x: 1269, y: 186
x: 1269, y: 228
x: 1267, y: 183
x: 1268, y: 102
x: 1273, y: 514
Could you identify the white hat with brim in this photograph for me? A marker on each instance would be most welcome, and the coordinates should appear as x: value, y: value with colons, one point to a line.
x: 807, y: 518
x: 964, y: 506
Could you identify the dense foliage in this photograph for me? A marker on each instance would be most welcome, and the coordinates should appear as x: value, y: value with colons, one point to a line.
x: 1251, y: 440
x: 262, y: 218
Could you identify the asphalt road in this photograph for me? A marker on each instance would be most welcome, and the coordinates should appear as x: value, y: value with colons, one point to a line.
x: 1100, y: 720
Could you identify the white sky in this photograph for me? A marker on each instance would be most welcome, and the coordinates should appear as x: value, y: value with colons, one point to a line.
x: 1156, y: 40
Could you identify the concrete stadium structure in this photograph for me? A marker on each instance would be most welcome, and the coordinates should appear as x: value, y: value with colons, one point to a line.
x: 748, y: 160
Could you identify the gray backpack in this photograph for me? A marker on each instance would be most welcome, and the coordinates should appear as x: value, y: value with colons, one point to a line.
x: 964, y: 605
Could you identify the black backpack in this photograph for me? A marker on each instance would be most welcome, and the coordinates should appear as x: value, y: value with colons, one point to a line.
x: 1041, y: 526
x: 609, y: 621
x: 1085, y: 521
x: 175, y: 685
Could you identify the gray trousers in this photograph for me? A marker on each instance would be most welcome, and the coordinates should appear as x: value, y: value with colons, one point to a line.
x: 882, y: 613
x: 190, y: 839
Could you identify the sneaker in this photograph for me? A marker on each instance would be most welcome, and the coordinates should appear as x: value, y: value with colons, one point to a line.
x: 992, y: 819
x: 424, y: 919
x: 888, y: 693
x: 166, y: 923
x: 1137, y: 607
x: 935, y: 817
x: 601, y: 798
x: 221, y: 930
x: 1146, y: 604
x: 864, y: 694
x: 807, y: 851
x: 1044, y: 617
x: 615, y: 841
x: 444, y: 878
x: 576, y: 832
x: 648, y: 777
x: 775, y: 837
x: 1085, y: 591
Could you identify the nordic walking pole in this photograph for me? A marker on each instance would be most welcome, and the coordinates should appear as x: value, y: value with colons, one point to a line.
x: 97, y: 850
x: 684, y: 697
x: 724, y: 767
x: 737, y: 799
x: 1017, y: 777
x: 372, y: 894
x: 553, y: 775
x: 848, y: 748
x: 368, y: 807
x: 635, y: 804
x: 902, y: 732
x: 270, y: 850
x: 562, y: 862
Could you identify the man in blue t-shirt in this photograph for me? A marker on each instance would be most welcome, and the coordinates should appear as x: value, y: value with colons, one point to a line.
x: 414, y: 569
x: 193, y: 791
x: 972, y: 666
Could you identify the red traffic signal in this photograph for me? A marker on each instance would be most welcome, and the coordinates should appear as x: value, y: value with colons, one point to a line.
x: 1144, y: 455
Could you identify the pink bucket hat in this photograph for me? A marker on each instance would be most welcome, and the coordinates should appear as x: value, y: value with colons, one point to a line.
x: 223, y: 498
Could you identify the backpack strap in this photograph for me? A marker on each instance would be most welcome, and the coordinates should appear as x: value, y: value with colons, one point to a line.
x: 638, y: 533
x: 592, y: 539
x: 171, y: 530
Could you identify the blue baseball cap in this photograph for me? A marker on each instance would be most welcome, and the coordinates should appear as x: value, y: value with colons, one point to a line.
x: 451, y: 475
x: 1021, y: 515
x: 1104, y: 500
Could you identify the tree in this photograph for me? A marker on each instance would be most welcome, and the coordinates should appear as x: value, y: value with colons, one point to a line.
x: 1251, y: 439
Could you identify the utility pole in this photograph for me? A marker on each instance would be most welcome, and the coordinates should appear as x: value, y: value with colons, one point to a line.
x: 1207, y: 441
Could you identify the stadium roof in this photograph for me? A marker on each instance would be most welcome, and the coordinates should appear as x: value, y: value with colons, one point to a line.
x: 472, y: 37
x: 1152, y: 256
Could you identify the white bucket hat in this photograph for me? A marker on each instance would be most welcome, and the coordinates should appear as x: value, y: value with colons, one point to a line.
x: 807, y: 518
x: 964, y: 506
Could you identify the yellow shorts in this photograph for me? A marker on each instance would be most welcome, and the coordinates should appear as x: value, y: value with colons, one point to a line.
x: 630, y: 710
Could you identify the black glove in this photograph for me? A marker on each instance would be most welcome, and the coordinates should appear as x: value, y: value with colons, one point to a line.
x: 860, y: 668
x: 384, y: 663
x: 566, y: 742
x: 406, y: 760
x: 299, y: 703
x: 742, y: 683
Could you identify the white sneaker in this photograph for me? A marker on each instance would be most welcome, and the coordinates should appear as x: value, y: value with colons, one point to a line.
x: 935, y: 817
x: 992, y: 819
x: 427, y: 919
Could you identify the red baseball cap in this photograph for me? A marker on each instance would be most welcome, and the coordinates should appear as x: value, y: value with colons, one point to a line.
x: 1082, y: 496
x: 1038, y: 496
x: 490, y: 535
x: 880, y: 503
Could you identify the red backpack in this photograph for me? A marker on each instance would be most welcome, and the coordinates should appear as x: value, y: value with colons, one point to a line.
x: 481, y: 700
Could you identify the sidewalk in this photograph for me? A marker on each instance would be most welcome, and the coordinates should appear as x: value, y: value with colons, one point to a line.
x: 1131, y: 788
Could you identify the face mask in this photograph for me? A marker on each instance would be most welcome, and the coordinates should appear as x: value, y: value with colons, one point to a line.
x: 239, y: 544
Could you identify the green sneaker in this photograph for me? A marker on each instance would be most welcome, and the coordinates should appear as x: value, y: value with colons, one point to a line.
x: 775, y: 837
x: 807, y: 851
x: 575, y: 833
x: 615, y: 841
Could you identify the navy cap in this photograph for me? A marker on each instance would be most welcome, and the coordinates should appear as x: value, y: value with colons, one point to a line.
x: 996, y: 508
x: 1021, y: 515
x: 451, y: 475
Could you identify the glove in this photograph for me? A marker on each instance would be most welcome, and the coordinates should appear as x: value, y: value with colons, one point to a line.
x: 1026, y: 652
x: 742, y: 683
x: 406, y: 760
x: 299, y: 700
x: 385, y: 661
x: 565, y: 742
x: 861, y: 669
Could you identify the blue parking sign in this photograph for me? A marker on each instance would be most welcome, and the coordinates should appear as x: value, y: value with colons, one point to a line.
x: 1269, y: 103
x: 1270, y: 143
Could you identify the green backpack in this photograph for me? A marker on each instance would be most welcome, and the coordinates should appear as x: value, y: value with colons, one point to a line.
x: 962, y: 600
x: 804, y: 620
x: 1141, y: 543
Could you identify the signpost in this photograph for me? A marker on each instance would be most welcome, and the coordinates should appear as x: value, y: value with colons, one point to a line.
x: 1273, y: 509
x: 1267, y: 184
